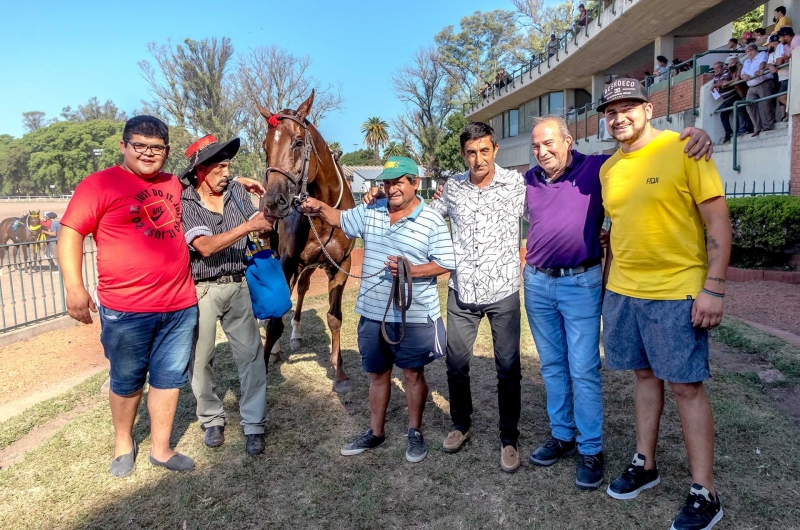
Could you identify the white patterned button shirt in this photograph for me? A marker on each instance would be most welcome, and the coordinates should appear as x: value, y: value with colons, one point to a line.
x: 485, y: 227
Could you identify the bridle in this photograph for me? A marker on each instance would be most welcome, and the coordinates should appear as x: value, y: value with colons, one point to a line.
x: 301, y: 182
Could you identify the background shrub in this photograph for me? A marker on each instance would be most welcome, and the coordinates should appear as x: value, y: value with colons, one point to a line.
x: 766, y: 230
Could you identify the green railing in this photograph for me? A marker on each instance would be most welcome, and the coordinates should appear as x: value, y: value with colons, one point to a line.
x: 785, y: 189
x: 31, y: 286
x: 693, y: 60
x: 735, y: 125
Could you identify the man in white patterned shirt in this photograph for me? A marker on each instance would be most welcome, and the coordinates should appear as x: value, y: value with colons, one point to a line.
x: 484, y: 204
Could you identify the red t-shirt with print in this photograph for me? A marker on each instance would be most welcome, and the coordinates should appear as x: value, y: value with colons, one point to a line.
x: 142, y: 256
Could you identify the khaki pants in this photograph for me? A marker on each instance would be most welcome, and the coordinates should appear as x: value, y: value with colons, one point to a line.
x: 761, y: 114
x: 230, y: 304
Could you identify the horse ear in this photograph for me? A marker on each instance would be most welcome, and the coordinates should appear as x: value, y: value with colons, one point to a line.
x: 263, y: 111
x: 305, y: 107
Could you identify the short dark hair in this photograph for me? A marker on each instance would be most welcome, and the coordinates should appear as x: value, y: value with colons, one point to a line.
x: 761, y: 31
x: 581, y: 6
x: 476, y: 130
x: 735, y: 41
x: 781, y: 10
x: 148, y: 126
x: 662, y: 59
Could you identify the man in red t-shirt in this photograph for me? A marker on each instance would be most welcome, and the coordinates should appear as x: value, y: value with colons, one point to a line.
x: 145, y: 296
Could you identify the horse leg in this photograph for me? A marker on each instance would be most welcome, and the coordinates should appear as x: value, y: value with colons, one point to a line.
x: 303, y: 282
x: 272, y: 346
x: 336, y: 282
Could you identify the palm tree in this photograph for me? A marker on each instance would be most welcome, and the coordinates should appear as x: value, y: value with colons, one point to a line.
x: 335, y: 146
x: 396, y: 149
x: 376, y: 134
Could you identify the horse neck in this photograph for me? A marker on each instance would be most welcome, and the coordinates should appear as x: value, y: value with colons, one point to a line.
x: 327, y: 182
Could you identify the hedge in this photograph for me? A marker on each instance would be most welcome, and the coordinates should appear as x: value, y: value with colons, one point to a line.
x: 766, y: 230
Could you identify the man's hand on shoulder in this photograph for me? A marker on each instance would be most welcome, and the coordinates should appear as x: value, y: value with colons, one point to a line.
x: 439, y: 192
x: 79, y: 303
x: 252, y: 186
x: 699, y: 143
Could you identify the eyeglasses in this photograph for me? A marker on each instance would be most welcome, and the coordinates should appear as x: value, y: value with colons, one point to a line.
x: 156, y: 149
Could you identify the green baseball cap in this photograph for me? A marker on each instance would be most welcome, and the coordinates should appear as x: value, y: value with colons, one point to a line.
x: 396, y: 167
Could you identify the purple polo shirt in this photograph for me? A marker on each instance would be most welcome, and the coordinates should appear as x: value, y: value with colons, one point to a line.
x: 566, y: 215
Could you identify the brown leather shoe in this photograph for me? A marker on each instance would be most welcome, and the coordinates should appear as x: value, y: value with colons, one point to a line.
x: 455, y: 441
x: 509, y: 459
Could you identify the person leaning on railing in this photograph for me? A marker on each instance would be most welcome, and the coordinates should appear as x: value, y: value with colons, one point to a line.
x: 759, y: 81
x: 745, y: 126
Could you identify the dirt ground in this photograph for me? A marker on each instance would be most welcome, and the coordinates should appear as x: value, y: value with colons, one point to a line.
x: 773, y: 304
x: 18, y: 209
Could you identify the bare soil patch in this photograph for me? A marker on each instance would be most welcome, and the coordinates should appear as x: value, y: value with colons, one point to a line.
x: 770, y: 303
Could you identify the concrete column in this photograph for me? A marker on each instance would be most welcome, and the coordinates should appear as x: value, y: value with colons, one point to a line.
x: 598, y: 84
x: 794, y: 124
x: 664, y: 45
x: 569, y: 98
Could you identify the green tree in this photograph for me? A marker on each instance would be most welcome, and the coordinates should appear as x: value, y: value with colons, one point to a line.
x: 448, y: 152
x: 33, y: 120
x: 749, y: 22
x: 335, y: 146
x: 485, y: 43
x: 538, y: 21
x: 93, y: 110
x: 376, y: 134
x: 360, y: 157
x: 397, y: 149
x: 14, y: 174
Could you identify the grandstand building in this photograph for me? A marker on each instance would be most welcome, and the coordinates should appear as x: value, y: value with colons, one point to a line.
x: 624, y: 39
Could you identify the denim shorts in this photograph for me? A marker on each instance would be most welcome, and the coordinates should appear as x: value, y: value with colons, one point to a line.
x: 655, y: 334
x: 138, y: 343
x: 422, y: 344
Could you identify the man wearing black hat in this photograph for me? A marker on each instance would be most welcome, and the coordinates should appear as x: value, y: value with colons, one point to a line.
x: 668, y: 256
x: 217, y: 217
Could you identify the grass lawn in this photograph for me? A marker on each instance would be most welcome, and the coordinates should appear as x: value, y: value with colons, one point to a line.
x: 303, y: 482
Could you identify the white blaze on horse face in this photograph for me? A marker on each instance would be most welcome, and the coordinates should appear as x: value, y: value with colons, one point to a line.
x: 296, y: 331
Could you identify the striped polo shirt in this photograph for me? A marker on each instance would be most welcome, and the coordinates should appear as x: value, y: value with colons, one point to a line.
x: 422, y: 237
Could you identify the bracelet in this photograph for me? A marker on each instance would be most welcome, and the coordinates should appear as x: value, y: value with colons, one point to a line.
x: 712, y: 293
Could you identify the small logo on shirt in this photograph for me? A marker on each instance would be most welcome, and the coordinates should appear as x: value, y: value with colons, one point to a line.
x: 653, y: 180
x: 156, y: 210
x: 135, y: 209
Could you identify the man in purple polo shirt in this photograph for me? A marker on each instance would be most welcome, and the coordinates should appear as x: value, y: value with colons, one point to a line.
x: 563, y: 292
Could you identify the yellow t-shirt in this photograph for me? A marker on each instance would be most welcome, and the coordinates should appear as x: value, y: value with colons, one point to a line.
x: 657, y: 233
x: 783, y: 21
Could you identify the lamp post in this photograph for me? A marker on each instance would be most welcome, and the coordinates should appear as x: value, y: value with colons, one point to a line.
x: 96, y: 153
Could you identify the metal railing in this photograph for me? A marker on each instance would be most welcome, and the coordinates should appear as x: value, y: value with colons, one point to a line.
x: 735, y: 125
x: 31, y: 286
x: 544, y: 58
x: 784, y: 189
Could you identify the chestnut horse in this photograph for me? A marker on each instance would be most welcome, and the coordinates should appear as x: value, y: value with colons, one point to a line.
x: 26, y: 229
x: 299, y: 161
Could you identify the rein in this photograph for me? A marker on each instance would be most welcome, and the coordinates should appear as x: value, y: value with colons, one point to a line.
x: 400, y: 297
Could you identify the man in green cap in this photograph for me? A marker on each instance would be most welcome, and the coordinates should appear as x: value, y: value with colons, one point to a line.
x: 394, y: 229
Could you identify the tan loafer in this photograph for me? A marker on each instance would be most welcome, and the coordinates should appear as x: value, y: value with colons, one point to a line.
x: 509, y: 459
x: 455, y: 441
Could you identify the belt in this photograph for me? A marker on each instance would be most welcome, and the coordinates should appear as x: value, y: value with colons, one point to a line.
x: 230, y: 278
x: 558, y: 272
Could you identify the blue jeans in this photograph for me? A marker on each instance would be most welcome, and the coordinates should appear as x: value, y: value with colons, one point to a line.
x: 136, y: 344
x: 564, y: 316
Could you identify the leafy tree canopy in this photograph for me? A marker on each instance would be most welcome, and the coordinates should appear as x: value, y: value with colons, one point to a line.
x: 361, y: 157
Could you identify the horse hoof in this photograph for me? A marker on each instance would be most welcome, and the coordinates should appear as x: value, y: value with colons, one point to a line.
x: 343, y: 387
x: 296, y: 344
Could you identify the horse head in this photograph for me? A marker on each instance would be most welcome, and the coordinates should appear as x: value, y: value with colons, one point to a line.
x: 290, y: 152
x: 34, y: 217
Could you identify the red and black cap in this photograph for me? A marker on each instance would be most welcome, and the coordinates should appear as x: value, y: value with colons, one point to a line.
x: 205, y: 149
x: 622, y: 88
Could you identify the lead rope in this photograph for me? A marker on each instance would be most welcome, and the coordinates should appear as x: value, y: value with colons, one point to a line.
x: 401, y: 298
x: 331, y: 260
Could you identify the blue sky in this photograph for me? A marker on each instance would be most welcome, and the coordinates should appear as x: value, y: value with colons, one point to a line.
x: 63, y: 54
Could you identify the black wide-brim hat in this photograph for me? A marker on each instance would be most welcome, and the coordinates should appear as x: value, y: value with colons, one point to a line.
x: 205, y: 149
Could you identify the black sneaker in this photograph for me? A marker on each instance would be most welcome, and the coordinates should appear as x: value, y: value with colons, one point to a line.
x: 590, y: 471
x: 549, y: 452
x: 362, y: 443
x: 635, y: 479
x: 416, y: 449
x: 700, y: 512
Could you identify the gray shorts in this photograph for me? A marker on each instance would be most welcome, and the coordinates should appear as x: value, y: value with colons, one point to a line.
x: 655, y: 334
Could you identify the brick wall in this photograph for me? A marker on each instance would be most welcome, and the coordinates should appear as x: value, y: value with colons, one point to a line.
x: 794, y: 171
x: 685, y: 48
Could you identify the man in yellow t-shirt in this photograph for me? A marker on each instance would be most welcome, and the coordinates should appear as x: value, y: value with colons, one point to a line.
x: 780, y: 19
x: 665, y: 288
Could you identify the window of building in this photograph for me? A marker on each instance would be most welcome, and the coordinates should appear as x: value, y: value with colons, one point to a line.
x: 556, y: 102
x: 513, y: 122
x: 544, y: 105
x: 528, y: 111
x: 496, y: 123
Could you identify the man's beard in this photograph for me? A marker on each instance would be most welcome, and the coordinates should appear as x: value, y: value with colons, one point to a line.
x: 629, y: 135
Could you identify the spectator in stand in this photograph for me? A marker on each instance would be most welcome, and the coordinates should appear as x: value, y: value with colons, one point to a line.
x: 583, y: 18
x: 683, y: 68
x: 486, y: 90
x: 781, y: 55
x: 662, y: 68
x: 745, y: 126
x: 733, y: 44
x: 772, y: 61
x: 725, y: 95
x: 648, y: 79
x: 789, y: 38
x: 501, y: 78
x: 761, y: 37
x: 552, y: 45
x: 780, y: 19
x: 759, y: 83
x: 748, y: 38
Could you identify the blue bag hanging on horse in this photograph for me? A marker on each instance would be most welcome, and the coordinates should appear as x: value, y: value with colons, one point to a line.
x: 269, y: 291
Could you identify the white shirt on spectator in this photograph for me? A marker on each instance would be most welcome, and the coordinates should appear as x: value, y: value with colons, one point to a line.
x: 751, y: 66
x: 783, y: 73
